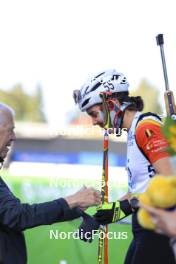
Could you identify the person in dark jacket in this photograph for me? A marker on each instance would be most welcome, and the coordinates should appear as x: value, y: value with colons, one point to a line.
x: 15, y: 217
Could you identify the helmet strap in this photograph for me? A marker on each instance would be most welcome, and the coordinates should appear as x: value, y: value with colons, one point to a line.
x: 118, y: 120
x: 112, y: 113
x: 117, y: 112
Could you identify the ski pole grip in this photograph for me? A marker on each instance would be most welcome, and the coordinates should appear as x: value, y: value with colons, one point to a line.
x: 159, y: 39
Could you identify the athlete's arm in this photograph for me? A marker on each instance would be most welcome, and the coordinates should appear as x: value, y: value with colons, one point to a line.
x: 163, y: 166
x: 151, y: 141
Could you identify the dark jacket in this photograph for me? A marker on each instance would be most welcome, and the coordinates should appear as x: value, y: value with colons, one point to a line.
x: 16, y: 217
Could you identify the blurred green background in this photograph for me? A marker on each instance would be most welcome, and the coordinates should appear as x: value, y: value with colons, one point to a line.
x: 41, y: 248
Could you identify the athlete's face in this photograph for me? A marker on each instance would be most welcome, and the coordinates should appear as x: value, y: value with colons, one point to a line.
x: 94, y: 113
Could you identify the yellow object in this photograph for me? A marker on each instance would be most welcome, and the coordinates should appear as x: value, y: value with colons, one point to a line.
x: 172, y: 180
x: 172, y: 142
x: 145, y: 220
x: 145, y: 199
x: 162, y: 191
x: 172, y: 130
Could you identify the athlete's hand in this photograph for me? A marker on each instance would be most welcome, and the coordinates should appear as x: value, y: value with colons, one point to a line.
x: 112, y: 212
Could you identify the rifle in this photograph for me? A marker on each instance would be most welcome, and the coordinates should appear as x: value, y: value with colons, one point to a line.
x: 168, y: 95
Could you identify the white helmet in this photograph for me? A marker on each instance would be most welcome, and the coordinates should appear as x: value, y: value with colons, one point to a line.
x: 107, y: 81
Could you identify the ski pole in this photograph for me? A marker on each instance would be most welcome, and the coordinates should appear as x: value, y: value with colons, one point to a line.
x: 104, y: 184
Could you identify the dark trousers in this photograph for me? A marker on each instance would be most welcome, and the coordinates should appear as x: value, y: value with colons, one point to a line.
x: 148, y: 247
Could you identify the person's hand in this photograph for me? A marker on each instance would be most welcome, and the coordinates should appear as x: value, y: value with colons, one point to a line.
x: 88, y: 228
x: 84, y: 198
x: 165, y: 221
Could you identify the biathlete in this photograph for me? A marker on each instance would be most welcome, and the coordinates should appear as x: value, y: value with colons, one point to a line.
x: 146, y: 156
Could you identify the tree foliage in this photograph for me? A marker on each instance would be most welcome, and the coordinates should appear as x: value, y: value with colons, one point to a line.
x: 27, y: 107
x: 150, y: 95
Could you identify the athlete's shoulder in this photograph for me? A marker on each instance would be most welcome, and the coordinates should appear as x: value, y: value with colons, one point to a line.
x: 148, y: 124
x: 150, y: 138
x: 149, y: 118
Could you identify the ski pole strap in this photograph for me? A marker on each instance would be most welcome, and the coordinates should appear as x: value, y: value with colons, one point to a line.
x: 112, y: 212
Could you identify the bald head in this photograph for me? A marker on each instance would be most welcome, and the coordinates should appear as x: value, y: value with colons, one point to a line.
x: 5, y: 112
x: 7, y: 135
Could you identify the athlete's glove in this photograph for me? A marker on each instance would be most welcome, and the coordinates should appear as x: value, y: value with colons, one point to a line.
x: 112, y: 212
x: 88, y: 227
